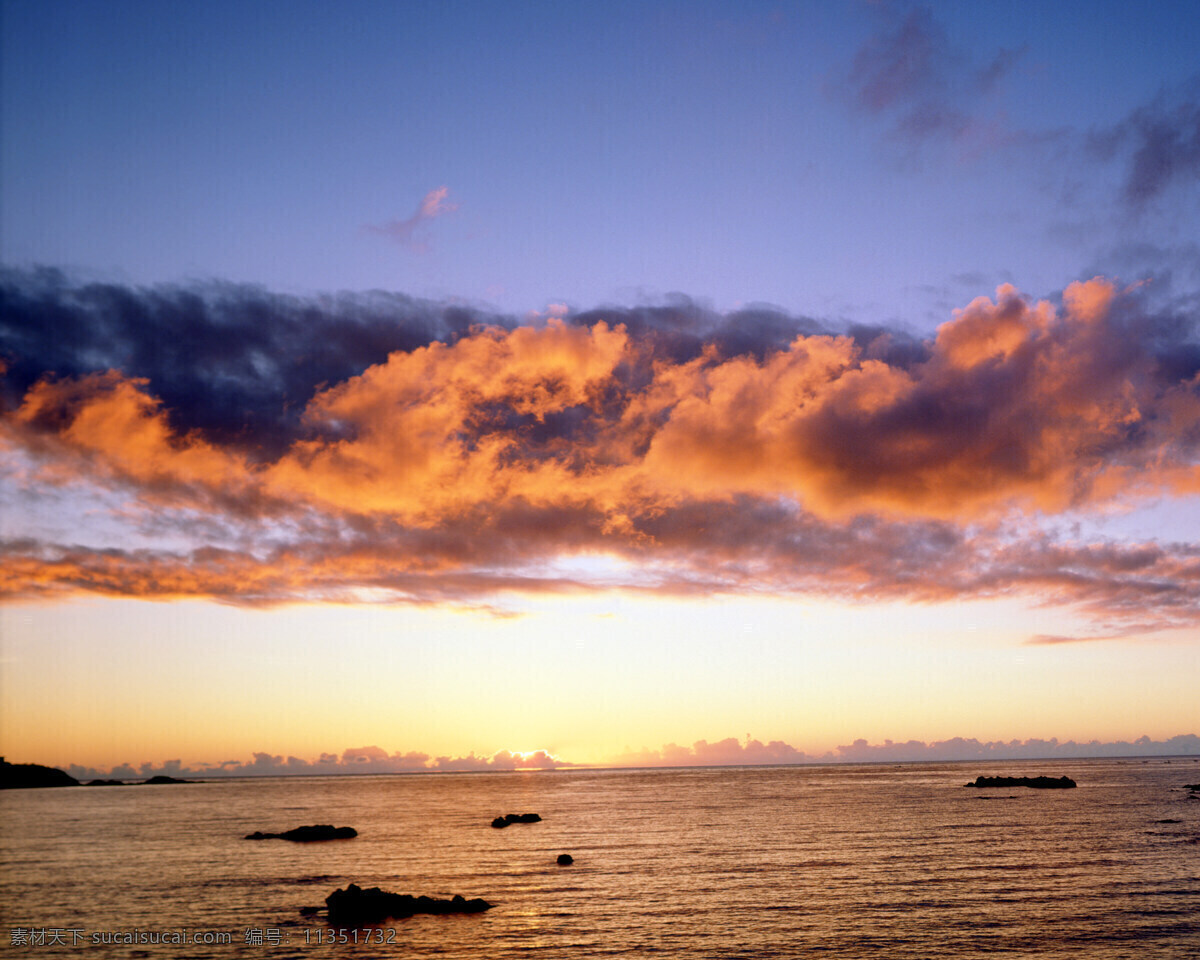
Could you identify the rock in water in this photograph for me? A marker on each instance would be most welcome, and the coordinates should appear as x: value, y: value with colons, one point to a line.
x: 1037, y: 783
x: 508, y: 818
x: 320, y: 831
x: 355, y: 907
x: 565, y: 860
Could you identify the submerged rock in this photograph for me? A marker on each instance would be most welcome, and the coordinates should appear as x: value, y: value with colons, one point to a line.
x: 1037, y: 783
x: 17, y: 775
x: 355, y: 907
x: 319, y: 831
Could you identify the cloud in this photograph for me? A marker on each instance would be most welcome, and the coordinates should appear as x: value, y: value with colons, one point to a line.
x: 1050, y: 639
x: 459, y: 459
x: 355, y: 760
x: 1158, y: 144
x: 731, y: 752
x: 234, y: 362
x: 407, y: 232
x: 933, y: 94
x: 909, y: 72
x: 959, y: 749
x: 728, y: 752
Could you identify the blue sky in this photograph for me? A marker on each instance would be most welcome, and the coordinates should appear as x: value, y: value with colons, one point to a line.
x: 462, y: 328
x: 593, y: 153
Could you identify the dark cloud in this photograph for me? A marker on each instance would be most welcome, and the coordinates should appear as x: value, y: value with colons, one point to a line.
x: 682, y: 329
x: 231, y: 360
x: 239, y: 364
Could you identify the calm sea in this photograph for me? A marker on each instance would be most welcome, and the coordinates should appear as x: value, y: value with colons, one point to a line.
x: 835, y: 861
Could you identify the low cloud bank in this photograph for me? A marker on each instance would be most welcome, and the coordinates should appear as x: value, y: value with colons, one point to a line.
x: 728, y: 752
x: 732, y: 752
x: 356, y: 760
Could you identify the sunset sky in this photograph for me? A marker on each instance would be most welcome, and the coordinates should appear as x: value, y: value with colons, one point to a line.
x: 426, y: 385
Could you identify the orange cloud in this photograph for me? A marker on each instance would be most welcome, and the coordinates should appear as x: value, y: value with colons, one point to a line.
x: 463, y: 468
x: 442, y: 428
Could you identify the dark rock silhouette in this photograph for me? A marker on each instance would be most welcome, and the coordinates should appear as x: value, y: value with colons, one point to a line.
x: 319, y: 831
x: 15, y: 776
x: 163, y: 779
x: 565, y: 860
x: 355, y: 907
x: 508, y: 818
x: 1037, y: 783
x: 105, y: 783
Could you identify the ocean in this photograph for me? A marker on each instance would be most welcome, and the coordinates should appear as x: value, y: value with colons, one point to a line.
x: 888, y: 861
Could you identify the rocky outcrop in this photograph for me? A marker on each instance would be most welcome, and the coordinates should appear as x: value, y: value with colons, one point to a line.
x: 163, y: 779
x: 105, y: 783
x: 508, y: 818
x: 565, y: 860
x: 319, y: 831
x: 1037, y: 783
x: 355, y: 907
x: 15, y: 776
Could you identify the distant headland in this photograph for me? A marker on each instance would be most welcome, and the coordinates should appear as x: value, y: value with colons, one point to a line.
x: 15, y: 776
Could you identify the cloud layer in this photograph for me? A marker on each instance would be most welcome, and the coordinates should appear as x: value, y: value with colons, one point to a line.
x: 731, y: 752
x: 728, y: 752
x: 259, y: 449
x: 356, y: 760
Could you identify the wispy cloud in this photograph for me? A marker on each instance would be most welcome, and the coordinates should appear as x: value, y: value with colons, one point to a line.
x: 909, y: 75
x: 909, y: 72
x: 1158, y: 144
x: 409, y: 231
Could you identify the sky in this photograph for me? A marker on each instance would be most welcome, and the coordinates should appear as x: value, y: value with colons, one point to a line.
x: 496, y: 385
